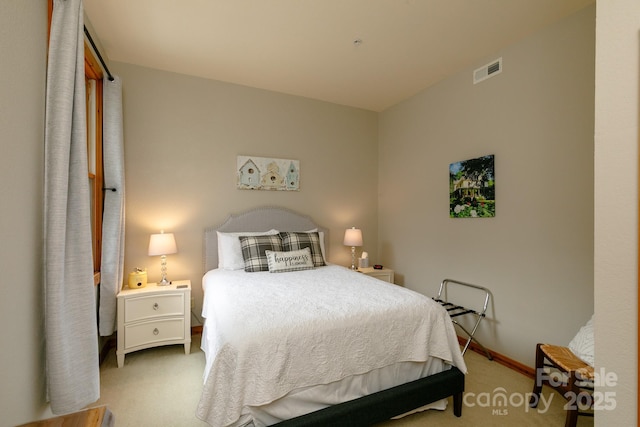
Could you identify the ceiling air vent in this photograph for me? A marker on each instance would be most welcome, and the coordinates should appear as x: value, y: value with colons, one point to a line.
x: 486, y: 71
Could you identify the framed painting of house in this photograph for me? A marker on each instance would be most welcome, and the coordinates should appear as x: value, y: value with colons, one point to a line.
x: 472, y: 188
x: 265, y: 173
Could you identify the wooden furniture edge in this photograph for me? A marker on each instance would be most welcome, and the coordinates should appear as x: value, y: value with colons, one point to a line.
x: 89, y: 417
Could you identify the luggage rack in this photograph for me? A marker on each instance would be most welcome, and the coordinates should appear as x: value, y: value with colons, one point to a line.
x: 455, y: 310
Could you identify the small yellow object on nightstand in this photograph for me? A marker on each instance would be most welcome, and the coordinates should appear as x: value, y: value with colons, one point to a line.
x: 138, y: 278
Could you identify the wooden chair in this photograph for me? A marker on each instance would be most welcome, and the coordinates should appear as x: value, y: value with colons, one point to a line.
x: 559, y: 368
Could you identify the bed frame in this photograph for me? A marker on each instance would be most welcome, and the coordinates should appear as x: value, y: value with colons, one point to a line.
x: 364, y: 411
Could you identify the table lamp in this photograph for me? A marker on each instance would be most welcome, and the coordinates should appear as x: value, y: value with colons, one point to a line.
x: 353, y: 238
x: 162, y: 244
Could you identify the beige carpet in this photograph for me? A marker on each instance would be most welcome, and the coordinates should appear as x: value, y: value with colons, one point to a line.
x: 161, y: 387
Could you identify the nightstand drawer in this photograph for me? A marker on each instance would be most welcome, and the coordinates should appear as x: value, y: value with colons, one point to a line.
x: 151, y: 306
x: 145, y: 333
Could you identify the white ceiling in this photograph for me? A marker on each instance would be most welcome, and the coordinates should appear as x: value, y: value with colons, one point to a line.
x: 306, y: 47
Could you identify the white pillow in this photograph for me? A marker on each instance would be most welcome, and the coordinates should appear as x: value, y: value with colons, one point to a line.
x: 582, y: 345
x: 280, y: 262
x: 321, y: 236
x: 229, y: 250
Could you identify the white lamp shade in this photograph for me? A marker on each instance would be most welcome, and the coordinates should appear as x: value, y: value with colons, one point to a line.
x: 353, y: 237
x: 162, y: 244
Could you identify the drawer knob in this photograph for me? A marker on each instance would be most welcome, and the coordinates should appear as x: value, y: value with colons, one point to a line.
x: 156, y: 306
x: 156, y: 331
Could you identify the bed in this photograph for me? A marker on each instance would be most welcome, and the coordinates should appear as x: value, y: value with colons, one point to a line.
x: 302, y: 342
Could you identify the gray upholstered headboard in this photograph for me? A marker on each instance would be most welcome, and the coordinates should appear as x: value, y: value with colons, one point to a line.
x: 258, y: 219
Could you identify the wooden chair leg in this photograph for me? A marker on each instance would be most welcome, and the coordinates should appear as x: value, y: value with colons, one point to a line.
x: 537, y: 381
x: 572, y: 417
x: 571, y: 406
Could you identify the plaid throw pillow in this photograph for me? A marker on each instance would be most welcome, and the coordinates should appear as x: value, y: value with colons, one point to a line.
x: 294, y: 241
x: 253, y: 251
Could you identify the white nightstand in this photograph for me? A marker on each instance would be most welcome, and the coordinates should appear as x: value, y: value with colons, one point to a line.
x: 153, y: 316
x: 385, y: 274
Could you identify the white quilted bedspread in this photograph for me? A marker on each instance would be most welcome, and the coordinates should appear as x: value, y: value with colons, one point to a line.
x: 270, y: 333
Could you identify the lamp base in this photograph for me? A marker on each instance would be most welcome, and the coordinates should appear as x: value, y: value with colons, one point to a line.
x: 163, y: 272
x: 353, y: 258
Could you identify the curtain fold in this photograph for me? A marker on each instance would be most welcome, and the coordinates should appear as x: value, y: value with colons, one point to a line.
x: 113, y: 216
x: 72, y: 360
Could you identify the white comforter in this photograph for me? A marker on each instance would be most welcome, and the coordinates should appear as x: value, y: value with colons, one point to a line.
x: 267, y: 334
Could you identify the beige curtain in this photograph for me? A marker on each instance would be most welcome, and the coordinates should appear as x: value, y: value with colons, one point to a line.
x: 113, y: 216
x: 73, y: 376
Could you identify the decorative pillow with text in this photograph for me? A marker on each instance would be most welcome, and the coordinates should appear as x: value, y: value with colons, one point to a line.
x: 280, y: 262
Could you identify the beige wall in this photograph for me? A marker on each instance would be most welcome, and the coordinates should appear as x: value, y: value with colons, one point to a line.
x: 182, y: 136
x: 616, y: 204
x: 23, y: 44
x: 536, y: 255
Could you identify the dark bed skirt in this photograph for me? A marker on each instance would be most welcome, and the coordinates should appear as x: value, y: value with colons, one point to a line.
x: 386, y: 404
